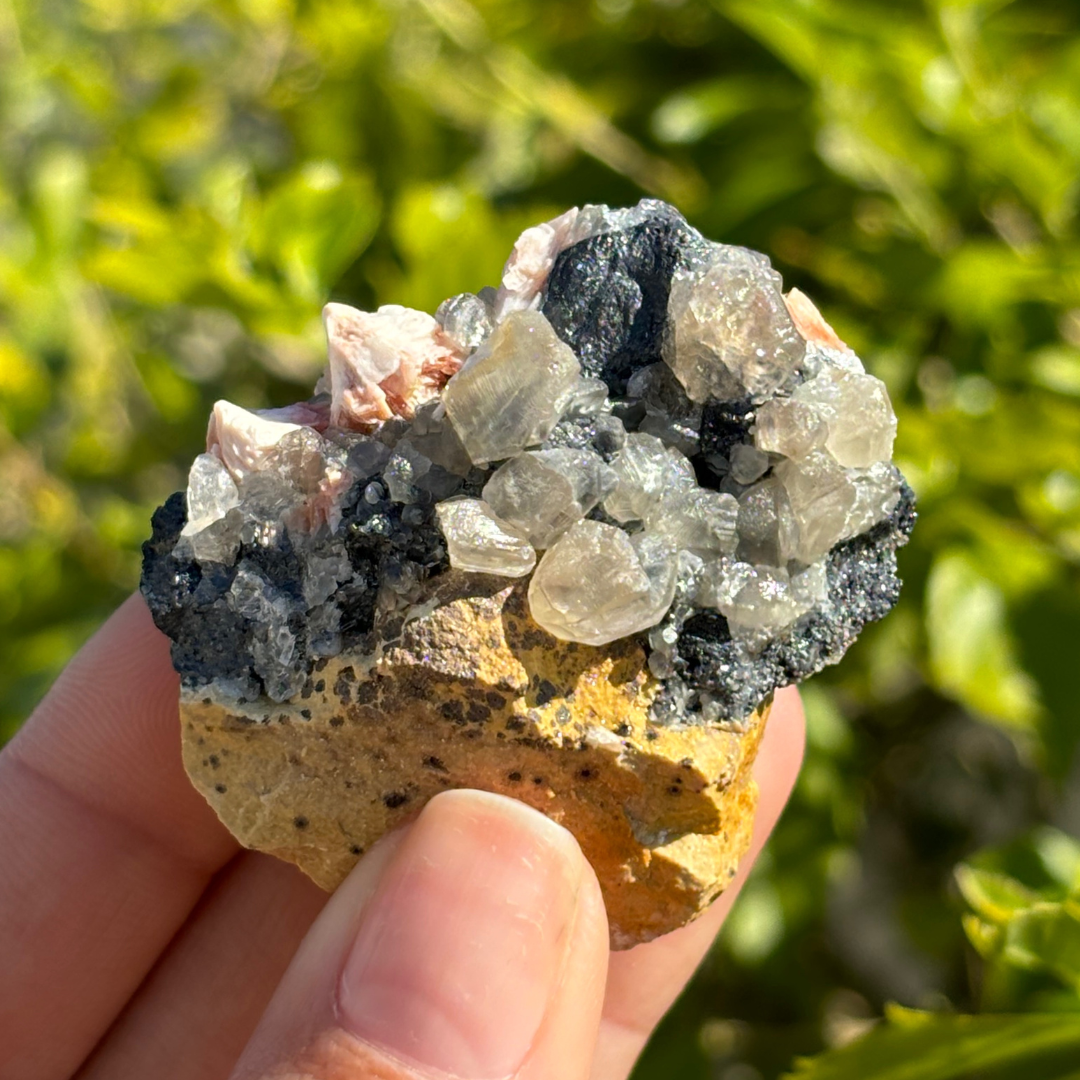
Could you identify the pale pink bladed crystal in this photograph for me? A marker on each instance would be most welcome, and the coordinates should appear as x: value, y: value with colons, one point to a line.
x: 384, y: 363
x: 242, y: 438
x: 526, y: 271
x: 810, y: 322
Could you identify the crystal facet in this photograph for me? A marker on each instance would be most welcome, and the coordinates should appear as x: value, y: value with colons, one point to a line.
x: 596, y: 584
x: 477, y: 540
x: 513, y: 389
x: 731, y: 333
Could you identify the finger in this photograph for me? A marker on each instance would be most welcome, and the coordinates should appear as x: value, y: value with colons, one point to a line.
x: 196, y: 1010
x: 645, y: 981
x: 473, y: 945
x: 104, y: 847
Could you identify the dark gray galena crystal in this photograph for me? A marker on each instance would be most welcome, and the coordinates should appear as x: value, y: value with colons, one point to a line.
x: 637, y: 422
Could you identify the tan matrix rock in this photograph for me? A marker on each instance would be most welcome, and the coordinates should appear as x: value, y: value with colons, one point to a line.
x: 475, y: 694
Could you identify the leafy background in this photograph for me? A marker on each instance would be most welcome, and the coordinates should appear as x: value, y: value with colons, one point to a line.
x: 183, y: 183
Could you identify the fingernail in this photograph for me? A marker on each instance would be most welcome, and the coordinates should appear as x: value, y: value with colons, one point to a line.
x: 461, y: 947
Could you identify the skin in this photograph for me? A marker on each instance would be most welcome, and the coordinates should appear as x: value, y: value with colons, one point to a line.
x: 137, y: 939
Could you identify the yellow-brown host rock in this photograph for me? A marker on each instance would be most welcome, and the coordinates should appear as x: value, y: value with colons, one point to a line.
x: 472, y: 693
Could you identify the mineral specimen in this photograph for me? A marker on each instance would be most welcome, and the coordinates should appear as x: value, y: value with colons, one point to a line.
x: 561, y: 540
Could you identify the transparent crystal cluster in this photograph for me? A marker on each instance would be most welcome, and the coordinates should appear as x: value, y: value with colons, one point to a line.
x: 637, y: 423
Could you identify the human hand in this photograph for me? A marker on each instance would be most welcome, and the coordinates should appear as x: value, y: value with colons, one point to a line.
x: 138, y: 940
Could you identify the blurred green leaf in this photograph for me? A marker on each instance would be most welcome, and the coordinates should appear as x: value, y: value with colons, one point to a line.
x: 923, y: 1046
x: 971, y: 655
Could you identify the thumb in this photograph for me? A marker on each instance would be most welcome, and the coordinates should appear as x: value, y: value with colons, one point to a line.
x: 472, y: 945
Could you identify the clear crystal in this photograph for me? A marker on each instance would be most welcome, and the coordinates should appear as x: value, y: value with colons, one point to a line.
x: 587, y: 398
x: 766, y: 524
x: 877, y: 491
x: 669, y: 414
x: 822, y: 498
x: 434, y: 436
x: 731, y: 333
x: 323, y: 574
x: 748, y: 464
x: 513, y: 389
x: 541, y: 494
x: 211, y: 493
x: 404, y: 471
x: 645, y: 469
x: 466, y: 318
x: 597, y: 584
x: 272, y: 642
x: 699, y: 520
x: 760, y: 601
x: 478, y: 541
x: 857, y: 414
x: 789, y: 426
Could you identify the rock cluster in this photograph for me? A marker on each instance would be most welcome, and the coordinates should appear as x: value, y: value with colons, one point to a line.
x: 638, y: 418
x: 560, y: 540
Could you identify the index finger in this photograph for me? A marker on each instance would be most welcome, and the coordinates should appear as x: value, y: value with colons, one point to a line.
x: 104, y: 846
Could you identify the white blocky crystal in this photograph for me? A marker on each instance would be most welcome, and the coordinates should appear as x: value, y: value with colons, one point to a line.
x: 384, y: 363
x: 597, y: 584
x: 698, y: 520
x: 646, y: 469
x: 857, y: 414
x: 731, y: 333
x: 478, y: 541
x: 541, y: 494
x: 513, y: 390
x: 760, y: 601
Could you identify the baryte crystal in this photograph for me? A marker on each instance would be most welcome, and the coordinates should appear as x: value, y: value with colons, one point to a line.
x: 384, y: 363
x: 526, y: 271
x: 597, y: 584
x: 476, y: 540
x: 731, y: 333
x: 513, y: 390
x: 645, y: 470
x: 541, y: 494
x: 243, y: 439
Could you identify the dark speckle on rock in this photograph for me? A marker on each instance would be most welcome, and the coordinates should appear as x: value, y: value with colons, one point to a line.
x: 394, y: 799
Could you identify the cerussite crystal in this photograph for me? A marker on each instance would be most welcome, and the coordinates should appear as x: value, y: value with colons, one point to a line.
x: 597, y: 584
x: 513, y: 389
x: 637, y: 420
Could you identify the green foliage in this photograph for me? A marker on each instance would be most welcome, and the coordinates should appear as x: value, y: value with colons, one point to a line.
x: 921, y: 1046
x: 183, y: 183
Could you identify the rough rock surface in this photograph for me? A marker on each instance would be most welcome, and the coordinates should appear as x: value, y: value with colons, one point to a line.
x: 475, y: 694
